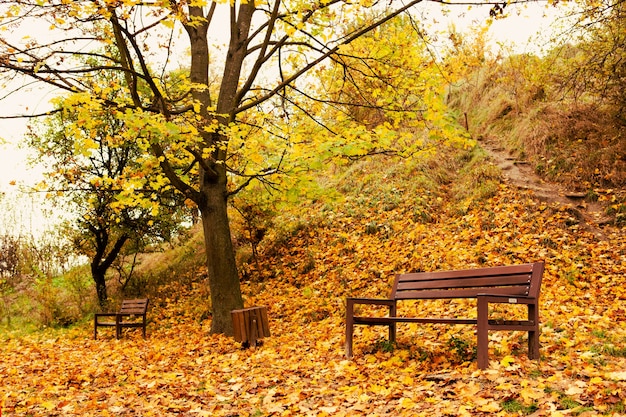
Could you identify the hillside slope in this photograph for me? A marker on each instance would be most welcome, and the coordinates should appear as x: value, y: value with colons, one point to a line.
x: 390, y: 220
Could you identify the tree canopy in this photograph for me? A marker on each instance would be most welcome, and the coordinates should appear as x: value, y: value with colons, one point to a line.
x: 121, y: 204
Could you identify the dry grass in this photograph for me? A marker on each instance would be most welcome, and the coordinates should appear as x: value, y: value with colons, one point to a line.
x: 581, y: 145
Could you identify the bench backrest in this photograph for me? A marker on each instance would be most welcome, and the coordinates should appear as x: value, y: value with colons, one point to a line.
x: 520, y: 280
x: 134, y: 307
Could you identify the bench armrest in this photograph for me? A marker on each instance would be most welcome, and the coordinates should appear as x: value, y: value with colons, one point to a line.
x: 350, y: 318
x: 371, y: 301
x: 131, y: 314
x: 352, y: 301
x: 507, y: 299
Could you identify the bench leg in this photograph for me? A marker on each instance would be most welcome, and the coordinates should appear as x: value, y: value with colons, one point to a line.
x: 533, y: 336
x: 533, y: 345
x: 253, y: 332
x: 118, y: 327
x: 393, y: 310
x: 392, y: 333
x: 349, y: 335
x: 483, y: 334
x: 349, y: 328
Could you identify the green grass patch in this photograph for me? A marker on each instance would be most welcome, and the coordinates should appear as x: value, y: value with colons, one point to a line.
x: 514, y: 406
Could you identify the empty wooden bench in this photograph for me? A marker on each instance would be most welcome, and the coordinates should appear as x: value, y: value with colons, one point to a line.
x: 515, y: 284
x: 132, y: 314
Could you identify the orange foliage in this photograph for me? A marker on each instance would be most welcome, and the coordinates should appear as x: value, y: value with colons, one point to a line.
x: 300, y: 370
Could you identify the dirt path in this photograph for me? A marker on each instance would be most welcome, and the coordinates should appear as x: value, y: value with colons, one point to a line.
x: 590, y: 216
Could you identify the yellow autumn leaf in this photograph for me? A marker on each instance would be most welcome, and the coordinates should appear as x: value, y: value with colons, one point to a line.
x: 407, y: 403
x: 406, y: 380
x: 48, y: 405
x: 574, y: 390
x: 490, y: 407
x: 463, y: 411
x: 529, y: 394
x: 507, y: 361
x: 596, y: 380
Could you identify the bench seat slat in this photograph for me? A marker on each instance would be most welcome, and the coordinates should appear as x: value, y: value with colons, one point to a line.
x: 502, y: 324
x: 496, y: 271
x: 460, y: 293
x: 511, y: 324
x: 387, y: 320
x: 131, y: 312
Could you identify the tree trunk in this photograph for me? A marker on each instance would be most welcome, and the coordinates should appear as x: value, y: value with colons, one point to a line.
x: 212, y: 191
x: 101, y: 286
x: 221, y: 265
x: 101, y: 263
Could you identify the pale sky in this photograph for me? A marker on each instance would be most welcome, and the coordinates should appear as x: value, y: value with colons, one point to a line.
x: 13, y: 166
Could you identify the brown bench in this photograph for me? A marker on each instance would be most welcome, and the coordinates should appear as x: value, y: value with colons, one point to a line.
x: 515, y: 284
x: 132, y: 314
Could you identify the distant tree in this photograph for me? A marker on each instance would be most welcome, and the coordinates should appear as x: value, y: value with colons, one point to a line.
x: 9, y: 273
x: 590, y: 65
x: 25, y: 259
x: 100, y: 176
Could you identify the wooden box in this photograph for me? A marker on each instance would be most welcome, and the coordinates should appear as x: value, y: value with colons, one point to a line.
x: 250, y: 325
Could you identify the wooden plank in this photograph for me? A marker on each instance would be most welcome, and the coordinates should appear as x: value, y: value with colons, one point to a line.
x: 432, y: 320
x: 478, y: 272
x: 460, y: 293
x: 250, y: 324
x: 500, y: 281
x: 237, y: 325
x: 246, y: 324
x: 265, y: 325
x: 262, y: 324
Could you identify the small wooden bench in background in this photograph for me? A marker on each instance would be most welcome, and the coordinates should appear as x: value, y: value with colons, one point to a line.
x: 132, y: 314
x: 515, y: 284
x: 250, y: 325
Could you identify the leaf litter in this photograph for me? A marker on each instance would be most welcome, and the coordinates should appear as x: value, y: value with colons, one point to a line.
x: 182, y: 370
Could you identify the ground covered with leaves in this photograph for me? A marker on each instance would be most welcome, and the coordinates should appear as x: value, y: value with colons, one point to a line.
x: 301, y: 370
